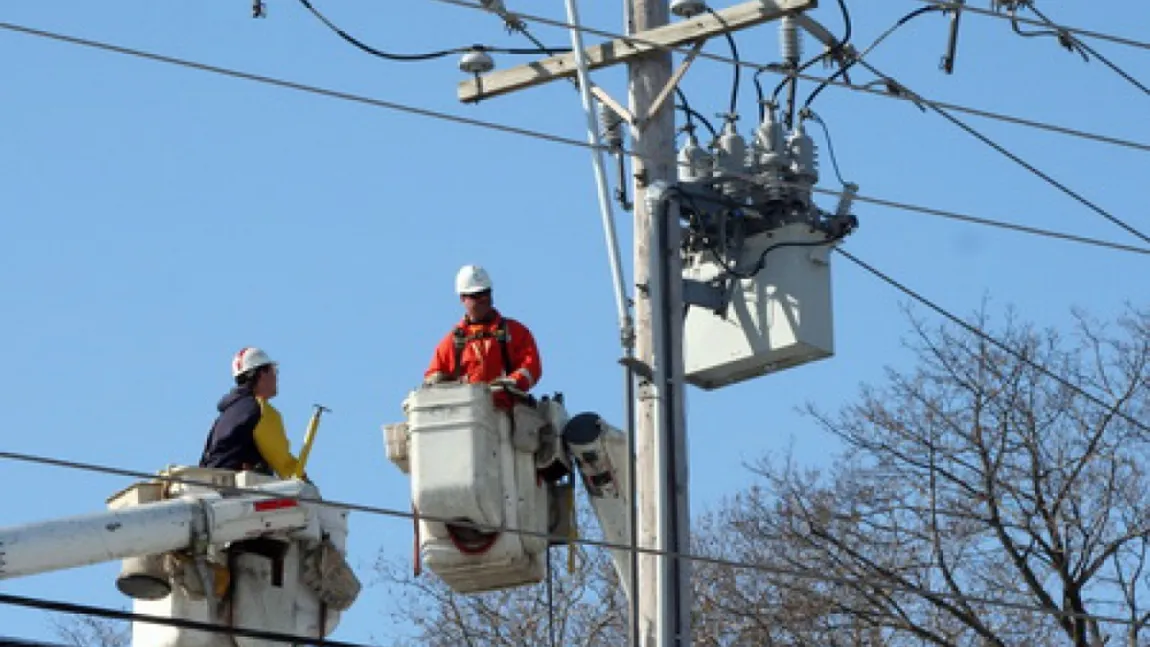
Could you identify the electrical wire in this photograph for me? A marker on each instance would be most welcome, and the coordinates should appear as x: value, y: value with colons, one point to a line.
x: 783, y: 83
x: 978, y: 332
x: 847, y: 26
x: 72, y: 608
x: 1015, y: 158
x: 967, y: 218
x: 813, y: 116
x: 335, y: 94
x: 858, y: 57
x: 379, y: 103
x: 550, y: 600
x: 1073, y: 30
x: 416, y: 57
x: 734, y: 106
x: 1070, y: 42
x: 703, y: 120
x: 371, y: 50
x: 691, y: 113
x: 66, y: 607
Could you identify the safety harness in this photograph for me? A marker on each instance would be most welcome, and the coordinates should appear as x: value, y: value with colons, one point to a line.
x: 461, y: 338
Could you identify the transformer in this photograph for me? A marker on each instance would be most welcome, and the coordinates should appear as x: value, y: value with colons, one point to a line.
x: 779, y: 317
x: 756, y: 255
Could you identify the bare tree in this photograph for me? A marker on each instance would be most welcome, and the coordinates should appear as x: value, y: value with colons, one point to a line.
x: 86, y: 631
x: 983, y: 500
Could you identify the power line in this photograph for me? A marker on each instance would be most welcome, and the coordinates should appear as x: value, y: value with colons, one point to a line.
x: 774, y: 69
x: 887, y: 583
x: 961, y: 217
x: 1060, y: 33
x: 1038, y: 23
x: 843, y: 68
x: 975, y: 330
x: 425, y: 56
x: 334, y: 94
x: 1015, y: 158
x: 208, y: 627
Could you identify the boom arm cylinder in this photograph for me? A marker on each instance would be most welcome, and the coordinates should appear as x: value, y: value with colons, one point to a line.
x: 98, y: 537
x: 600, y: 451
x: 147, y: 529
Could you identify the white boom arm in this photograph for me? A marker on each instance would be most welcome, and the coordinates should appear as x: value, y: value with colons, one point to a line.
x: 150, y: 529
x: 601, y: 454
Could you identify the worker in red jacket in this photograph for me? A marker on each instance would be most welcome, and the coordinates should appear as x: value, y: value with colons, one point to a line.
x: 485, y: 347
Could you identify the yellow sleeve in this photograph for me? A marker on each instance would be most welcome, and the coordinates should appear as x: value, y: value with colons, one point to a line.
x: 272, y: 441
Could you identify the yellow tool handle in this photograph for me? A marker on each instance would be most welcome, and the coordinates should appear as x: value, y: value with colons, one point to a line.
x: 308, y: 440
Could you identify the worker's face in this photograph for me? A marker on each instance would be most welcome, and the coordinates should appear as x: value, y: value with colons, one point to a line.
x: 477, y: 305
x: 267, y: 385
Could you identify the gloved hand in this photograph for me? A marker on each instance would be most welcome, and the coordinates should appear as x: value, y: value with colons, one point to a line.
x: 505, y: 382
x: 433, y: 379
x: 515, y: 382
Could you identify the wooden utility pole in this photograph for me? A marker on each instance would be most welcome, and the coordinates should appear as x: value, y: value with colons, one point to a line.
x: 661, y: 597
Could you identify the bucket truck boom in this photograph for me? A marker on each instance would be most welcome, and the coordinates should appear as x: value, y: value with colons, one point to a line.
x: 208, y: 545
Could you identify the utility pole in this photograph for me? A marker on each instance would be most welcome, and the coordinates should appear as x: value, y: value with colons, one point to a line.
x: 663, y: 588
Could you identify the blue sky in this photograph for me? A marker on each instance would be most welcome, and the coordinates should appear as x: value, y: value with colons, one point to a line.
x: 156, y: 219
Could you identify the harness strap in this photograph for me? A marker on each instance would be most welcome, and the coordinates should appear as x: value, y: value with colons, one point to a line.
x: 461, y: 338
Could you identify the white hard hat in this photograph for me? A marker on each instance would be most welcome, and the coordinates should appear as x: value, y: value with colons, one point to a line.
x: 249, y: 358
x: 472, y: 279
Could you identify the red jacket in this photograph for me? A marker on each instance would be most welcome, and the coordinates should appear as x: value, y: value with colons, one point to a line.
x: 482, y: 359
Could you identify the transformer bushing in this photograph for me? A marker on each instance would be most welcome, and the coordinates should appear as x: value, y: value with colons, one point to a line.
x: 742, y: 190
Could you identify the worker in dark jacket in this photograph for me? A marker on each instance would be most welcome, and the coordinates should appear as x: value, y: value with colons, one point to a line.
x: 249, y: 432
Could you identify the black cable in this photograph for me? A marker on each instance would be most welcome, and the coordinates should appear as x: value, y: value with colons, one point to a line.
x: 1023, y: 229
x: 830, y: 145
x: 1015, y: 158
x: 703, y: 120
x: 1070, y: 42
x: 550, y: 598
x: 1113, y: 66
x: 802, y: 68
x: 208, y: 627
x: 978, y: 332
x: 734, y: 56
x: 858, y: 57
x: 684, y: 105
x: 521, y: 27
x: 995, y: 14
x: 371, y: 50
x: 847, y: 28
x: 421, y: 57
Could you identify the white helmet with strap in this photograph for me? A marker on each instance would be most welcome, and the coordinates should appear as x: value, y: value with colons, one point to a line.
x: 472, y: 279
x: 248, y: 359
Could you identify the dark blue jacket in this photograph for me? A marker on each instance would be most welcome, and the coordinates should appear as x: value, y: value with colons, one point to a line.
x: 231, y: 442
